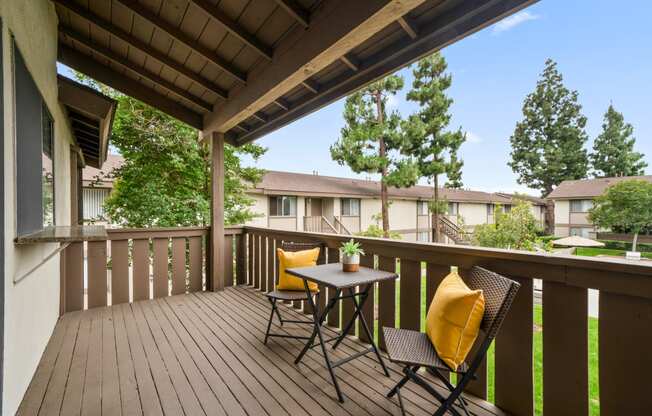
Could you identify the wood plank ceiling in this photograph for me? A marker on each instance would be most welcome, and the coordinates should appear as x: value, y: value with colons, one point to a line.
x: 249, y: 67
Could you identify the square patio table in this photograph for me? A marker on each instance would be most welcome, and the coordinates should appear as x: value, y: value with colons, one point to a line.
x: 332, y: 276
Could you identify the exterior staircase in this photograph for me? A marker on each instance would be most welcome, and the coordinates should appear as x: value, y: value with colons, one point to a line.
x: 454, y: 231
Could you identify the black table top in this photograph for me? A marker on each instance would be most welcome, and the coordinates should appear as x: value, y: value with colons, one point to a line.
x: 331, y: 275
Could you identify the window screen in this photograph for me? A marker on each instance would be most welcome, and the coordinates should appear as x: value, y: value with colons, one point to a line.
x: 34, y: 153
x: 453, y: 208
x: 581, y: 205
x: 422, y: 207
x: 282, y: 206
x: 350, y: 207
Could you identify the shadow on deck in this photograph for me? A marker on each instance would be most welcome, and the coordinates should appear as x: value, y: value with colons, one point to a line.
x: 203, y: 354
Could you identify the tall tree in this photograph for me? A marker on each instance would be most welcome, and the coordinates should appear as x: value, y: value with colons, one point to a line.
x: 548, y: 144
x: 165, y: 178
x: 426, y: 134
x: 613, y: 150
x: 371, y: 140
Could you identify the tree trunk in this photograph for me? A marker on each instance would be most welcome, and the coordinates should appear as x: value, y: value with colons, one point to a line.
x: 634, y: 241
x: 436, y: 237
x: 382, y: 152
x: 550, y: 217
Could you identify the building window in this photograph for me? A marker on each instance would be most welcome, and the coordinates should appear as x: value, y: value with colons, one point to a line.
x: 283, y: 206
x: 48, y: 167
x: 35, y: 170
x: 350, y: 207
x: 507, y: 208
x: 422, y: 207
x: 581, y: 205
x: 423, y: 236
x: 453, y: 208
x: 580, y: 232
x: 490, y: 209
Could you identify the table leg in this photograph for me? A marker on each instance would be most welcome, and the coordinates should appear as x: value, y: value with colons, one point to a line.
x: 318, y: 320
x: 365, y: 327
x: 309, y: 344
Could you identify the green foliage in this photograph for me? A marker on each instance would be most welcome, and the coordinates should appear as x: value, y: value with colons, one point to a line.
x: 548, y: 144
x: 613, y: 150
x: 626, y: 205
x: 626, y: 246
x: 438, y: 206
x: 352, y: 248
x: 374, y: 230
x: 595, y: 251
x: 371, y: 140
x: 165, y: 179
x: 516, y: 229
x: 426, y: 134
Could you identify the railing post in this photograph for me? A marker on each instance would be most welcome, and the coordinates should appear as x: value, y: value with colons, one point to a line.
x: 217, y: 245
x: 240, y: 259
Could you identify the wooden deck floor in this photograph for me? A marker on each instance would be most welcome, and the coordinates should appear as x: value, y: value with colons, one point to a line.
x: 202, y: 354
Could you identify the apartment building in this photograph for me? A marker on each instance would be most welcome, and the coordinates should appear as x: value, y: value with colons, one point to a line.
x: 96, y: 187
x: 573, y: 199
x: 311, y: 202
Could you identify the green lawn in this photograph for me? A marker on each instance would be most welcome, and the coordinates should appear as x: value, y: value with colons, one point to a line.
x: 594, y: 403
x: 591, y: 251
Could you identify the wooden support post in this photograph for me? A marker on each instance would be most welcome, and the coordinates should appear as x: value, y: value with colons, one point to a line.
x: 217, y: 211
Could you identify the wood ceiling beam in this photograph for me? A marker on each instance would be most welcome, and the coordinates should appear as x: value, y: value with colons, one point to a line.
x: 282, y: 104
x: 140, y: 45
x: 351, y: 62
x: 312, y: 86
x: 295, y: 10
x: 82, y: 63
x: 234, y: 28
x: 336, y: 28
x: 144, y: 73
x: 450, y: 26
x: 176, y: 34
x: 408, y: 26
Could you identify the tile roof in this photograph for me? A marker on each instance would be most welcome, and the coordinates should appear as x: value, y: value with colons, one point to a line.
x: 275, y: 182
x: 589, y: 187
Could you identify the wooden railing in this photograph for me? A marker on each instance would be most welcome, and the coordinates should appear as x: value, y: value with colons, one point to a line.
x: 625, y: 316
x: 318, y: 224
x: 339, y: 226
x: 146, y: 263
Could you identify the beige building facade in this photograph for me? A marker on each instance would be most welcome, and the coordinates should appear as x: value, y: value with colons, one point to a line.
x: 305, y: 202
x: 574, y: 199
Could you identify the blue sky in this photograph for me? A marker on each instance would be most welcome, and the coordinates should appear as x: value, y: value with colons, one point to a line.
x: 603, y: 51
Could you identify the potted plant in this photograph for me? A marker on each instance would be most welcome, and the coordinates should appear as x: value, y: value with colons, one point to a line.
x: 351, y: 252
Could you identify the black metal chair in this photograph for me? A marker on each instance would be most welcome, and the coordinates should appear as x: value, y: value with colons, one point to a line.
x: 414, y: 350
x: 289, y: 295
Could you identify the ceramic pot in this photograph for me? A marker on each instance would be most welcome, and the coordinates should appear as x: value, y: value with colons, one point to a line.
x: 351, y: 263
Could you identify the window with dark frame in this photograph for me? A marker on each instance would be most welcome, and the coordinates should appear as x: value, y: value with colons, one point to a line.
x: 282, y: 206
x: 422, y: 207
x: 350, y: 207
x: 581, y: 205
x: 35, y: 153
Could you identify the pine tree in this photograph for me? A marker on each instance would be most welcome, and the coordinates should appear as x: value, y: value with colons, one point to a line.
x: 613, y: 150
x: 548, y: 144
x: 426, y: 134
x: 371, y: 140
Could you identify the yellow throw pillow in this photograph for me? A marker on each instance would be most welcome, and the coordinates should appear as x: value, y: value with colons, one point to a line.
x: 453, y: 320
x: 292, y: 259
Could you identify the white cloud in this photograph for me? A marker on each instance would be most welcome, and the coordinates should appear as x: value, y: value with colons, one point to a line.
x: 473, y: 138
x: 514, y: 20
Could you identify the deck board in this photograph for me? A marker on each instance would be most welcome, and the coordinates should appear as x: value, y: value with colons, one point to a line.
x: 203, y: 354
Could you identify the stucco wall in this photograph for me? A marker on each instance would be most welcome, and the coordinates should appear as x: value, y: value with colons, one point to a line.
x: 261, y: 208
x: 473, y: 214
x: 368, y: 208
x: 562, y: 209
x: 403, y: 215
x: 283, y: 223
x: 32, y: 305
